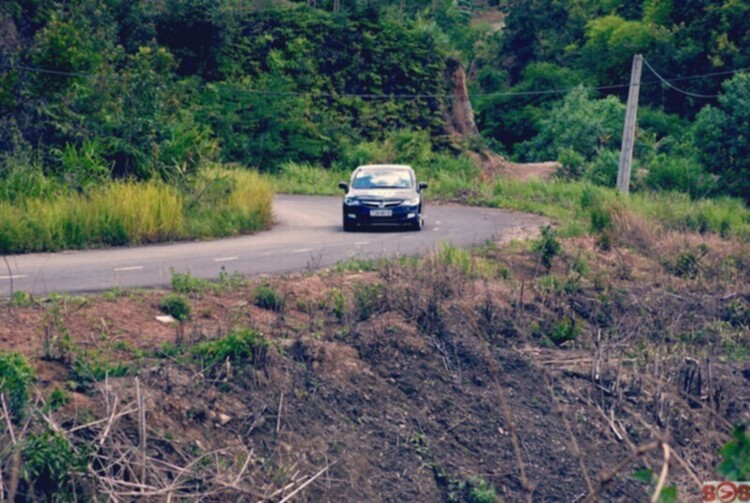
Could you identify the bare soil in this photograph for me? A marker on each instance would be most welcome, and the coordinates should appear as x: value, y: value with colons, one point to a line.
x: 446, y: 381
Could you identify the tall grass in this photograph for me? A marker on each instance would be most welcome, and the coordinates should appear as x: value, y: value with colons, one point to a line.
x: 127, y: 212
x: 226, y: 202
x: 294, y: 178
x: 569, y: 203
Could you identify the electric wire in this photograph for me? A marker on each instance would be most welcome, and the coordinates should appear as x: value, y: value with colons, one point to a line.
x: 675, y: 88
x: 414, y: 96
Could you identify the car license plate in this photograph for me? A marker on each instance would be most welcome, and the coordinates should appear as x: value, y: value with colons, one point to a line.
x: 381, y: 213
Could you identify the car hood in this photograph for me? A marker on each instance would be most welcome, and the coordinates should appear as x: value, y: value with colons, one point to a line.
x: 382, y: 193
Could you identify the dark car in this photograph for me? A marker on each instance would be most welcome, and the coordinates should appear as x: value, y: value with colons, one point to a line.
x: 383, y: 194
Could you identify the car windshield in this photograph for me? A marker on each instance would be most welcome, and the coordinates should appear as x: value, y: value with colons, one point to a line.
x: 382, y: 179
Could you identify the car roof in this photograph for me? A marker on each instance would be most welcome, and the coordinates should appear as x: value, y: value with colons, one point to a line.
x: 384, y: 166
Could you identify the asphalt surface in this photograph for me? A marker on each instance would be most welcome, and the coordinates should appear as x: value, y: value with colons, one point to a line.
x: 308, y: 235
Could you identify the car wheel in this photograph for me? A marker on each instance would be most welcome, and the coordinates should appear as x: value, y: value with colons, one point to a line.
x: 418, y: 225
x: 349, y: 226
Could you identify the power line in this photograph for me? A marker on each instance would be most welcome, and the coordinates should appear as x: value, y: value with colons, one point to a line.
x: 261, y: 92
x: 672, y: 86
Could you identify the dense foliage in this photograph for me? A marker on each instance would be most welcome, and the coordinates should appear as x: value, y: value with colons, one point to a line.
x: 548, y: 47
x: 92, y: 90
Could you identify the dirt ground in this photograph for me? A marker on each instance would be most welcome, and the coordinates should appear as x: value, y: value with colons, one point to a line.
x: 435, y: 385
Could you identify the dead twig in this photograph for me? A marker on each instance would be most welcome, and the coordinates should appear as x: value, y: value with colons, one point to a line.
x: 663, y: 475
x: 607, y: 477
x: 310, y: 481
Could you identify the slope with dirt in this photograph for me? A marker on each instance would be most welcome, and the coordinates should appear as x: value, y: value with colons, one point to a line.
x: 453, y: 378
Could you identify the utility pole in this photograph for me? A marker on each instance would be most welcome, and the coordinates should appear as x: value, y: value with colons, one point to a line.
x: 628, y: 134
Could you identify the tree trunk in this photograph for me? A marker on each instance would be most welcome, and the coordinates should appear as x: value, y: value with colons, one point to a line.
x: 459, y: 116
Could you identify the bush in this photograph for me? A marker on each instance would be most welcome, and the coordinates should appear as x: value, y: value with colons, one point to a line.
x: 49, y: 466
x: 602, y: 170
x: 267, y: 297
x: 15, y: 377
x: 678, y: 173
x: 91, y: 366
x: 176, y: 306
x: 736, y: 454
x: 564, y: 331
x: 368, y: 299
x: 187, y: 283
x: 238, y: 347
x: 547, y: 247
x: 21, y: 299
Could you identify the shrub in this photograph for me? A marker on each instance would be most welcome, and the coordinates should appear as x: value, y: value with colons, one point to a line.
x: 267, y: 297
x: 187, y: 283
x: 21, y: 299
x: 547, y: 247
x: 238, y: 347
x: 176, y: 306
x: 49, y: 466
x: 15, y: 377
x: 564, y: 331
x: 367, y: 299
x: 479, y: 490
x: 91, y: 366
x: 736, y: 454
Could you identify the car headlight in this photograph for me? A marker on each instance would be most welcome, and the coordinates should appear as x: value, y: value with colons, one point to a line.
x: 414, y: 201
x: 351, y: 201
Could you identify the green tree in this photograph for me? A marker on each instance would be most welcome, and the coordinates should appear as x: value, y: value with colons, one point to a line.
x: 722, y: 136
x: 578, y: 123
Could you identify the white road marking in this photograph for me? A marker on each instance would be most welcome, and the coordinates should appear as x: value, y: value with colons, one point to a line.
x: 361, y: 243
x: 14, y: 276
x: 302, y: 250
x: 131, y: 268
x: 436, y: 229
x: 225, y: 259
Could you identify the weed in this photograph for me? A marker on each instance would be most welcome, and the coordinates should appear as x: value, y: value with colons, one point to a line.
x: 57, y: 398
x: 55, y: 335
x: 668, y: 494
x: 368, y: 299
x: 736, y: 454
x: 242, y: 346
x: 687, y: 264
x: 49, y: 466
x: 94, y: 366
x: 479, y: 490
x: 337, y: 303
x: 234, y: 280
x: 267, y: 297
x: 548, y: 247
x: 21, y: 299
x: 176, y: 306
x: 114, y: 293
x: 168, y: 350
x: 15, y: 377
x: 736, y: 313
x: 564, y: 331
x: 358, y: 265
x: 187, y: 283
x: 601, y: 226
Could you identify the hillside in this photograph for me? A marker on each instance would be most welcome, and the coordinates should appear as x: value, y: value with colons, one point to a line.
x: 459, y: 377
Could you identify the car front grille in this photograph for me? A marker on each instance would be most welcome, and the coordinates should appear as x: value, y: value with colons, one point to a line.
x: 378, y: 203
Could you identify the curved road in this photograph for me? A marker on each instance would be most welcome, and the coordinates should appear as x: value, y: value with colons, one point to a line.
x: 308, y: 236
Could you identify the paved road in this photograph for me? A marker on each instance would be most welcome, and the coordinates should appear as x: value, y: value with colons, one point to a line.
x: 308, y: 235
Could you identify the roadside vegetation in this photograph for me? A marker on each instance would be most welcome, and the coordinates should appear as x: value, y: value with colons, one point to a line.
x: 466, y: 375
x: 216, y: 202
x: 113, y: 102
x: 631, y: 336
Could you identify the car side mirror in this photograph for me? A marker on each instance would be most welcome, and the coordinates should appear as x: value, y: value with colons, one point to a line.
x: 344, y: 186
x: 423, y: 185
